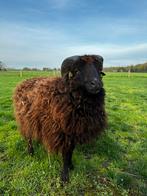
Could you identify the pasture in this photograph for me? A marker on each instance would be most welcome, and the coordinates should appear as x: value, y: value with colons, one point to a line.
x: 115, y: 164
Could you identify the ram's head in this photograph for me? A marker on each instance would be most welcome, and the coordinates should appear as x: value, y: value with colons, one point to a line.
x: 84, y: 72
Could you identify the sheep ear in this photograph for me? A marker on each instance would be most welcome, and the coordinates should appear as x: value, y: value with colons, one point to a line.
x: 102, y: 73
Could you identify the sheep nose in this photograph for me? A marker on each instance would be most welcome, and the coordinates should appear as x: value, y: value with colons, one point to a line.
x: 94, y: 83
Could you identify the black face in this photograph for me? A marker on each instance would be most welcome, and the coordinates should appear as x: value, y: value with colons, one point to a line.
x: 86, y: 72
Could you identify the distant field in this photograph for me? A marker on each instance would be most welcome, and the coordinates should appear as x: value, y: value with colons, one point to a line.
x: 116, y: 164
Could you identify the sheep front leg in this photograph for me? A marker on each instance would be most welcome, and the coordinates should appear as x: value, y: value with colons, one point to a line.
x: 67, y: 161
x: 71, y: 166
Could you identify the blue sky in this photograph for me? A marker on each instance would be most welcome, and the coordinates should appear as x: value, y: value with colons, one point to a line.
x: 43, y: 32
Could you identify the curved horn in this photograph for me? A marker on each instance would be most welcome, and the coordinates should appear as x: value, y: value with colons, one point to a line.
x: 100, y: 60
x: 67, y: 64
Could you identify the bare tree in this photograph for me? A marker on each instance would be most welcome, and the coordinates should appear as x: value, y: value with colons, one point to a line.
x: 2, y: 66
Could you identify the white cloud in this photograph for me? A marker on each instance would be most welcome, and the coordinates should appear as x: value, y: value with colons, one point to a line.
x: 116, y: 54
x: 24, y: 45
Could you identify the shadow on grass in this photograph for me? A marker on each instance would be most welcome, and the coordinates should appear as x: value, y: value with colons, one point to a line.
x: 104, y: 146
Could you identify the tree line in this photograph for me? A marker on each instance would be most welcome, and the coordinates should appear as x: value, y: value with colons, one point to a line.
x: 131, y: 68
x: 36, y: 69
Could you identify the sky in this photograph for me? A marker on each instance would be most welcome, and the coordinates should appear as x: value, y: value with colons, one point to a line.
x: 42, y: 33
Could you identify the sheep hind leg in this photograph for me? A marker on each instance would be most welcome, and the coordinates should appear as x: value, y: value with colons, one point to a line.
x: 30, y: 147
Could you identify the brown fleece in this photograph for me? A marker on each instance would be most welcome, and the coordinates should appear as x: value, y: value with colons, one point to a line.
x: 47, y: 110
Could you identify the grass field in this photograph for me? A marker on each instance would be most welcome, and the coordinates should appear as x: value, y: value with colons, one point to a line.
x: 116, y: 164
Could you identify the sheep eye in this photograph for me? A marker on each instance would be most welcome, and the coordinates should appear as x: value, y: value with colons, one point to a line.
x: 76, y: 71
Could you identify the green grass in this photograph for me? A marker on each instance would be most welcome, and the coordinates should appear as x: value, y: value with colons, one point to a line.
x: 116, y: 164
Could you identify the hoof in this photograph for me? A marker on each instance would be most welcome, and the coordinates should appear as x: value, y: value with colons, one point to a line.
x: 64, y: 177
x: 31, y: 151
